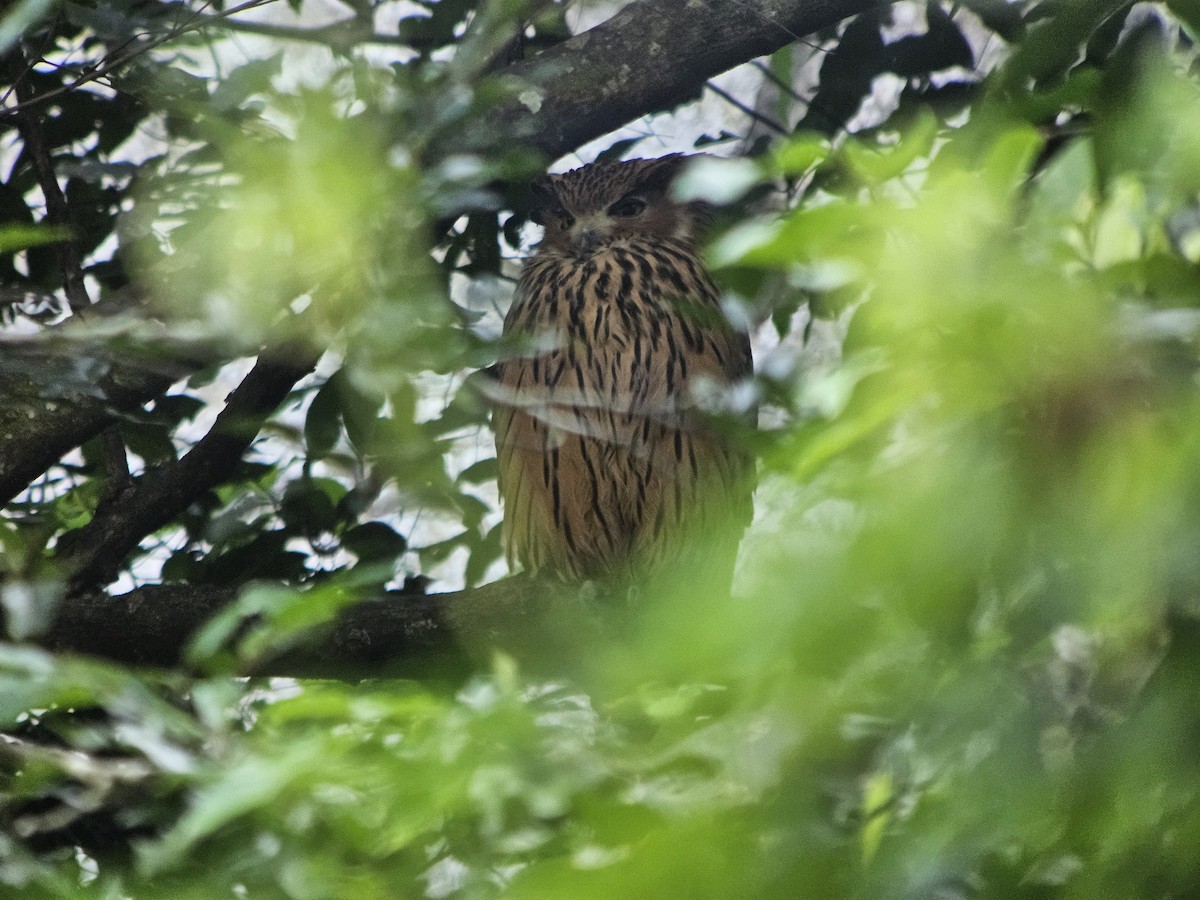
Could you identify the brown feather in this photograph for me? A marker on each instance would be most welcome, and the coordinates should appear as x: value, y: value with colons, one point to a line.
x: 605, y: 466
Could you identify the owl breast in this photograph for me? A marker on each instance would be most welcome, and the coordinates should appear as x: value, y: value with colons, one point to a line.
x: 605, y: 466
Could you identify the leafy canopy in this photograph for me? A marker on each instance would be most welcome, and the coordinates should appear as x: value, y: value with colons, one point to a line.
x: 963, y: 657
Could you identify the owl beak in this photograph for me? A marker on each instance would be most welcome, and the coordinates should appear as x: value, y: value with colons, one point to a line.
x: 587, y: 241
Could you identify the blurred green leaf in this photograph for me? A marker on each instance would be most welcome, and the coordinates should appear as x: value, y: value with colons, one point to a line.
x: 18, y: 237
x: 962, y: 657
x: 20, y: 19
x: 1049, y: 51
x: 801, y: 153
x: 876, y: 164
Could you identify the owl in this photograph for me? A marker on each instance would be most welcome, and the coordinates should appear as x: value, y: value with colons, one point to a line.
x: 607, y: 465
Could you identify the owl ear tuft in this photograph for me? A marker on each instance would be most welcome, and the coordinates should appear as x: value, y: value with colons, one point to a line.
x: 658, y: 174
x: 545, y: 199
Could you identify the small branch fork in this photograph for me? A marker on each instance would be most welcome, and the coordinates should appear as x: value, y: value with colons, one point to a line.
x: 93, y: 556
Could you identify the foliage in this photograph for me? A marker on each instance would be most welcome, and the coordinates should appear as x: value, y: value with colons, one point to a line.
x: 965, y: 655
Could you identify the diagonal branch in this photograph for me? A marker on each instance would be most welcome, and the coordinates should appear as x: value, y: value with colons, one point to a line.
x: 748, y: 111
x: 94, y: 554
x: 340, y: 34
x: 651, y: 56
x: 58, y: 213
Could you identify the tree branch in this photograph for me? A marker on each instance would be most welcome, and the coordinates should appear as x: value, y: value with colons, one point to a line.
x: 93, y: 555
x: 397, y: 634
x: 651, y: 56
x: 55, y: 399
x: 58, y: 212
x: 342, y: 34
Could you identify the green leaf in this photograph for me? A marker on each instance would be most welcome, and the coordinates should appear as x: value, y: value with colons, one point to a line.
x: 322, y: 423
x: 617, y: 149
x: 29, y: 606
x: 846, y: 75
x: 942, y: 46
x: 308, y: 507
x: 875, y: 164
x: 1050, y: 50
x: 20, y: 19
x: 242, y: 788
x: 19, y: 237
x: 800, y: 153
x: 149, y: 440
x: 1000, y: 16
x: 480, y: 472
x: 360, y: 410
x: 374, y: 542
x: 247, y: 80
x: 719, y: 181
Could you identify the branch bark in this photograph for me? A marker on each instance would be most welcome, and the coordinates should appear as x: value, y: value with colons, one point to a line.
x: 651, y: 56
x: 396, y: 634
x: 55, y: 399
x: 58, y: 212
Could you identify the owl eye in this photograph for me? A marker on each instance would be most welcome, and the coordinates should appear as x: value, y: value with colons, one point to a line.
x: 627, y: 207
x: 556, y: 217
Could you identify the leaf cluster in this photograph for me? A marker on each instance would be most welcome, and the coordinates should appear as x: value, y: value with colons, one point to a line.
x: 963, y: 661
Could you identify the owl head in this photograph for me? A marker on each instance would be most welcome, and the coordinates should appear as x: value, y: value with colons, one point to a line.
x: 596, y: 206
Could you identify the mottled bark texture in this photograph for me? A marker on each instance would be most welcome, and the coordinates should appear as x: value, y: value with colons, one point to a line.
x: 437, y: 635
x: 651, y: 56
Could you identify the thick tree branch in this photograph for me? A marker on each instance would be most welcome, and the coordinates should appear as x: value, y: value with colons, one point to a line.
x: 52, y: 400
x: 399, y: 633
x: 94, y: 554
x: 652, y: 55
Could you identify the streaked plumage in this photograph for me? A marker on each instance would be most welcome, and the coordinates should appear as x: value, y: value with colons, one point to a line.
x: 605, y: 467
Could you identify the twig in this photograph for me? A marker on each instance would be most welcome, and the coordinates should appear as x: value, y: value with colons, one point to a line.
x: 58, y: 211
x: 195, y: 22
x: 337, y: 34
x: 779, y: 82
x: 116, y: 462
x: 752, y: 113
